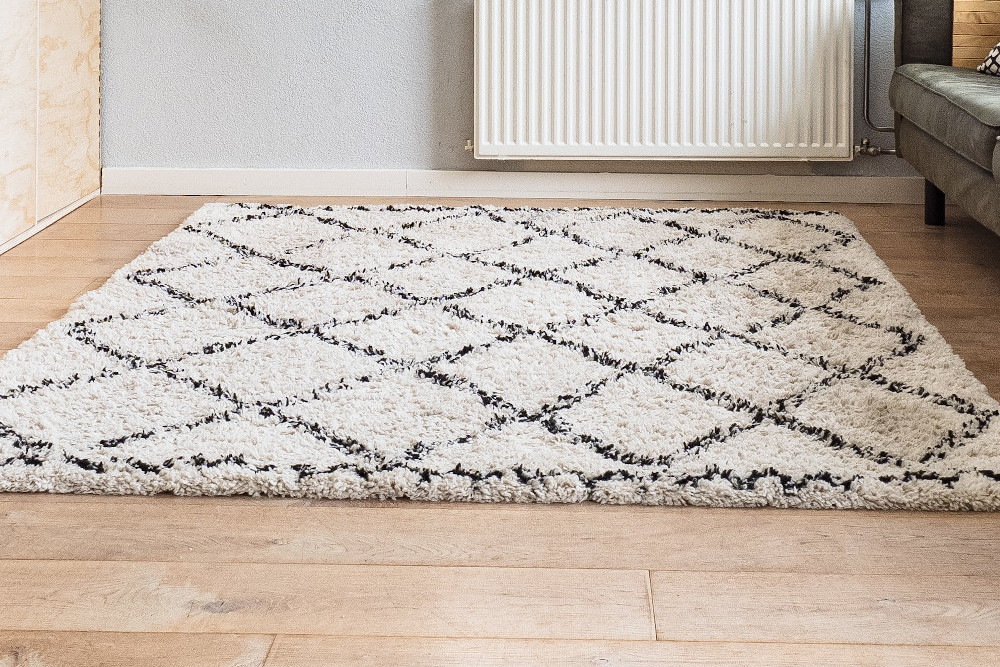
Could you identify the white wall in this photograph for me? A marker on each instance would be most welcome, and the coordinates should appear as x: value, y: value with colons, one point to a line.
x: 335, y: 84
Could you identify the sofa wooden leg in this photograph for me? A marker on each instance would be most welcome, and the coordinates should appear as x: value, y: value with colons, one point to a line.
x: 934, y: 205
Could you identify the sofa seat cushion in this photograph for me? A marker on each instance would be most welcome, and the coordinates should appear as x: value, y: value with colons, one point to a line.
x: 959, y: 107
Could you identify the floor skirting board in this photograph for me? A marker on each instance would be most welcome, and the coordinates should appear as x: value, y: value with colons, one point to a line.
x: 558, y: 185
x: 46, y: 221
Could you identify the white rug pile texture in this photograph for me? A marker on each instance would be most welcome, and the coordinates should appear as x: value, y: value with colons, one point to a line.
x: 734, y: 357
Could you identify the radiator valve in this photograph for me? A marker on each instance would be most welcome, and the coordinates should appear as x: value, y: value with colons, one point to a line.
x: 866, y: 148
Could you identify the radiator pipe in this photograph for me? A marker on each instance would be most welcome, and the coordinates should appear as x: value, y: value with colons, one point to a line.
x: 866, y: 147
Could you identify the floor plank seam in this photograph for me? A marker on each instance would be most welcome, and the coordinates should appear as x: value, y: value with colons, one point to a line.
x: 372, y: 565
x: 852, y: 572
x: 270, y: 648
x: 498, y: 639
x: 652, y: 605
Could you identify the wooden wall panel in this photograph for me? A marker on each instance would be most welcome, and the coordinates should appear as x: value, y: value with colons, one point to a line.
x: 977, y: 30
x: 18, y: 78
x: 69, y: 33
x: 49, y: 112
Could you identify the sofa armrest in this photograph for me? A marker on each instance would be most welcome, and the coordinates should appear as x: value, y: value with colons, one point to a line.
x: 924, y: 31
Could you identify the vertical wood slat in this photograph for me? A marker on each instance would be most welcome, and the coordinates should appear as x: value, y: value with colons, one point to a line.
x: 687, y: 79
x: 18, y: 116
x: 49, y: 110
x: 976, y: 31
x: 68, y: 102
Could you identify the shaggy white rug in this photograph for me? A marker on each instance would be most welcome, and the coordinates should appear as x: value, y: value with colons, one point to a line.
x: 727, y: 358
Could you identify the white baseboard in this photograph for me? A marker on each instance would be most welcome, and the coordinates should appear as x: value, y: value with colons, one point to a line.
x: 291, y: 182
x: 46, y: 221
x: 558, y: 185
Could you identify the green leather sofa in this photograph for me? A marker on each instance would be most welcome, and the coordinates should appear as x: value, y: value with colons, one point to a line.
x: 947, y: 118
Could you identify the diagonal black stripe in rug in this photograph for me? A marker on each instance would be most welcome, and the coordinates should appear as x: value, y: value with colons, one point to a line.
x: 727, y: 358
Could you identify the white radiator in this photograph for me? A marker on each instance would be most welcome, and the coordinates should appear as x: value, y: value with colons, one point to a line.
x: 669, y: 79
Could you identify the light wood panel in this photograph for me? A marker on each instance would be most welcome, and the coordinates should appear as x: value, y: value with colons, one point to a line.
x: 12, y: 333
x: 108, y: 249
x: 265, y: 531
x: 334, y: 651
x: 18, y: 117
x: 120, y: 649
x: 98, y: 649
x: 44, y: 311
x: 107, y: 231
x: 977, y: 31
x: 325, y: 599
x: 42, y: 288
x: 27, y: 266
x: 147, y: 202
x: 69, y: 38
x: 834, y: 608
x: 135, y: 218
x: 49, y: 110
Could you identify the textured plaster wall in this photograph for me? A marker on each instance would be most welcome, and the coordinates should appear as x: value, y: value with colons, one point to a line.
x: 334, y: 84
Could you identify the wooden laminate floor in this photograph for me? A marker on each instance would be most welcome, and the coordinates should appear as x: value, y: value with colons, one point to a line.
x: 251, y: 582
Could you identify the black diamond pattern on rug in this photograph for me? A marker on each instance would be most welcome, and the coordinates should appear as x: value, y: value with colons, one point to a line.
x: 732, y: 358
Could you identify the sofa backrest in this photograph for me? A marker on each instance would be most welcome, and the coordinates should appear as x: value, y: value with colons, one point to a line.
x: 924, y: 31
